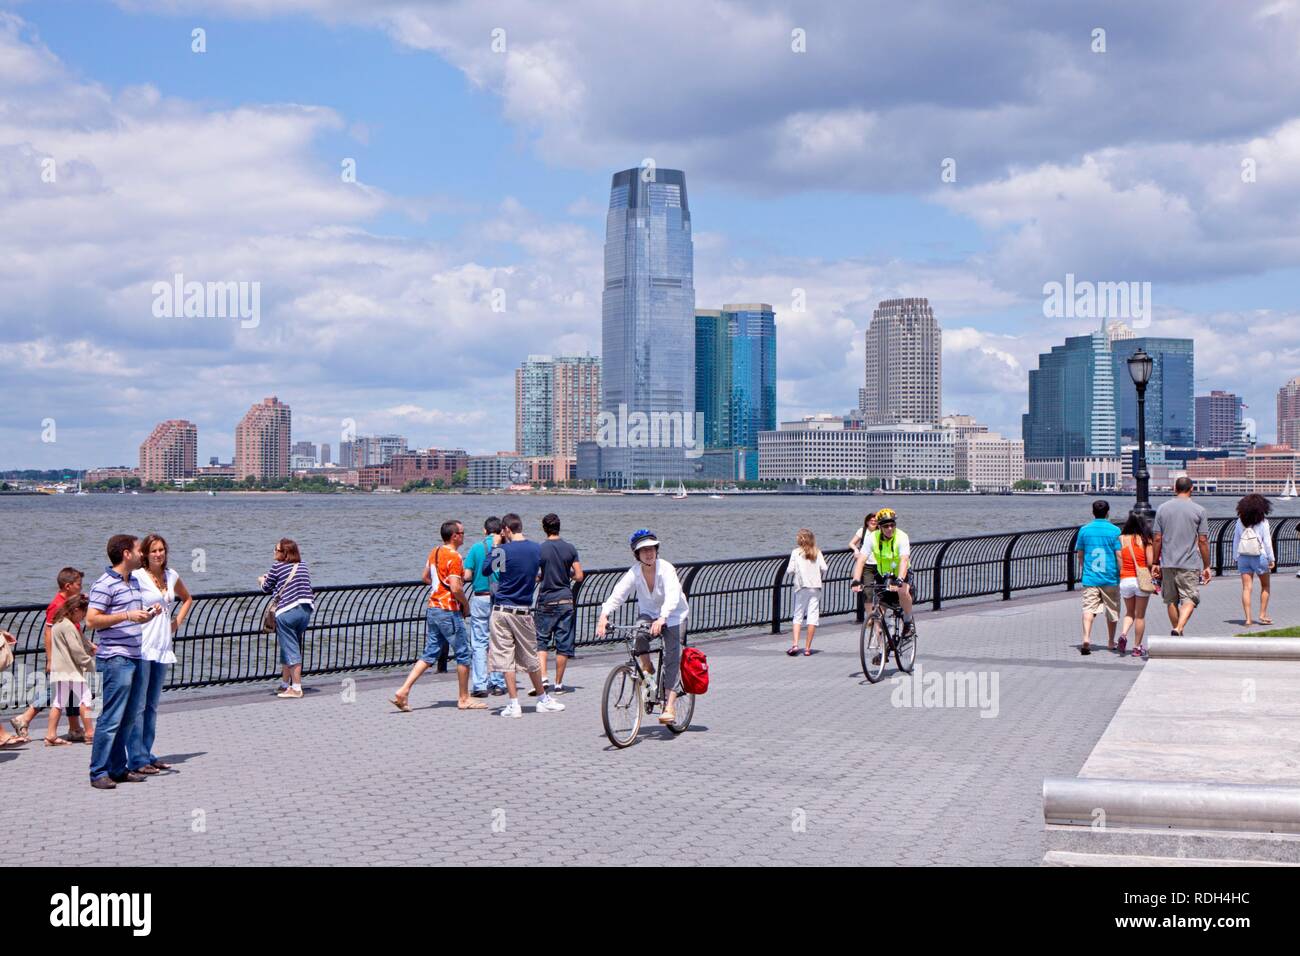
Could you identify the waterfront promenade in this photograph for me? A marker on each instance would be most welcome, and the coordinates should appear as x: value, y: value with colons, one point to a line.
x: 789, y: 761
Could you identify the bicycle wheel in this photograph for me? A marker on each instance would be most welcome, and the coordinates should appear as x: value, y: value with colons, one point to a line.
x: 621, y: 705
x: 685, y: 709
x: 905, y: 651
x: 871, y: 646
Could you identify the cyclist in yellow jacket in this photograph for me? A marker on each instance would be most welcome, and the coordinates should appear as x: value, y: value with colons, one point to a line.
x: 891, y: 550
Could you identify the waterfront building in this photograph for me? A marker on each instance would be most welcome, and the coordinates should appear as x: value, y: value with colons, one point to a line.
x: 904, y: 369
x: 1170, y: 394
x: 375, y: 449
x: 111, y: 473
x: 505, y: 468
x: 171, y: 451
x: 1288, y: 414
x: 1085, y: 473
x: 647, y: 325
x: 303, y: 449
x: 1072, y: 402
x: 262, y: 441
x: 551, y: 468
x: 735, y: 377
x: 1265, y: 470
x: 324, y: 453
x: 835, y: 446
x: 302, y: 462
x: 1218, y: 419
x: 963, y: 425
x: 557, y: 400
x: 989, y: 461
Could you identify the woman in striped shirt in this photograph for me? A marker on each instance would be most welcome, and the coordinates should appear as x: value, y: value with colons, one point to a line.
x: 290, y: 581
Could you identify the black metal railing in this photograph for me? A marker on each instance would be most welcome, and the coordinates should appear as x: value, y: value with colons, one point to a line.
x: 361, y: 626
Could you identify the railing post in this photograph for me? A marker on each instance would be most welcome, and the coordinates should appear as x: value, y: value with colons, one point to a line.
x: 1218, y: 549
x: 1006, y: 567
x: 776, y: 594
x: 1069, y: 561
x: 936, y: 600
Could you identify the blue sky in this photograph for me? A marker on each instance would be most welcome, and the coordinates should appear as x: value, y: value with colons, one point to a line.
x: 481, y: 169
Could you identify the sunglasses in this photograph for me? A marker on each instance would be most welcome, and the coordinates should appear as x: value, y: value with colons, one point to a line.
x: 886, y: 524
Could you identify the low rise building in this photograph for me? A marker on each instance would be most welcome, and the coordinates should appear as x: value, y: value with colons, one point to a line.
x: 1265, y: 470
x: 1086, y: 473
x: 837, y: 446
x: 989, y: 461
x: 495, y: 472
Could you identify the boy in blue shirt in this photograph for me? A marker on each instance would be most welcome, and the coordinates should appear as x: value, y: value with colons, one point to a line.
x: 1098, y: 548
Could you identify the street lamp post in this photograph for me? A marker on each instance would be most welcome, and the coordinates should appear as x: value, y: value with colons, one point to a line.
x: 1139, y: 368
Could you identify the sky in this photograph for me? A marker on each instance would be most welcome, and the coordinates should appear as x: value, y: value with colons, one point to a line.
x: 417, y: 191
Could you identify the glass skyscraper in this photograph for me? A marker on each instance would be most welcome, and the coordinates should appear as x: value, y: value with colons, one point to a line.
x: 1171, y: 391
x: 648, y: 327
x: 735, y: 377
x: 1072, y: 401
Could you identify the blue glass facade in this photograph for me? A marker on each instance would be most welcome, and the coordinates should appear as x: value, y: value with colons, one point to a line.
x: 1171, y: 391
x: 735, y: 377
x: 1072, y: 401
x: 648, y: 322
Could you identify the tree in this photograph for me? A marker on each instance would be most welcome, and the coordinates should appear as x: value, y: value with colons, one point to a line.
x: 1028, y: 484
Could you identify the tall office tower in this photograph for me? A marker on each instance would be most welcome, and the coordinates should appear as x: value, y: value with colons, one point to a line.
x: 324, y: 453
x: 376, y: 449
x: 262, y: 441
x: 648, y: 327
x: 1218, y: 419
x: 1171, y: 390
x: 1288, y: 414
x: 862, y: 400
x: 304, y: 448
x: 557, y: 400
x: 904, y: 381
x: 347, y: 454
x: 713, y: 376
x: 1072, y: 401
x: 171, y: 451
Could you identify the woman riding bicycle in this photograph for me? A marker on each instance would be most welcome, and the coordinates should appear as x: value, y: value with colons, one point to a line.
x: 659, y: 600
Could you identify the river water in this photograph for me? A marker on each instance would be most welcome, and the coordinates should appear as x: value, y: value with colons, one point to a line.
x: 358, y: 538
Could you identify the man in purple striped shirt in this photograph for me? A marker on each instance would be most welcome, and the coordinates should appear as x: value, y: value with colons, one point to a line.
x: 115, y: 614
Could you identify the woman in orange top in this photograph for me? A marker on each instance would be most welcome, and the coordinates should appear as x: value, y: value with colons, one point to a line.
x: 1134, y: 553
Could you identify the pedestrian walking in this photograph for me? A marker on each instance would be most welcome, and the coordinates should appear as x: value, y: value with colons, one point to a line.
x: 1098, y: 550
x: 161, y: 585
x: 560, y: 571
x: 72, y: 669
x: 116, y: 615
x: 1136, y: 584
x: 480, y: 577
x: 69, y: 582
x: 1252, y: 549
x: 1181, y: 554
x: 513, y: 632
x: 289, y: 579
x: 807, y: 564
x: 444, y: 619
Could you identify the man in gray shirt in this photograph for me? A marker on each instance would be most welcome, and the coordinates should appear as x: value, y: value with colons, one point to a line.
x: 1181, y: 550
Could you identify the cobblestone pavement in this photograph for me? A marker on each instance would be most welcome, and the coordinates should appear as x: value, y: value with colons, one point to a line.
x: 790, y: 761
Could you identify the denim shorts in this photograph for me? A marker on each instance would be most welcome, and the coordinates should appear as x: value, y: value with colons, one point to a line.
x: 445, y: 629
x: 1252, y: 564
x: 555, y: 628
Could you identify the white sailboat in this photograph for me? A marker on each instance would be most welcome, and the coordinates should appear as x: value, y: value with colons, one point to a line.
x: 681, y: 492
x: 1289, y: 491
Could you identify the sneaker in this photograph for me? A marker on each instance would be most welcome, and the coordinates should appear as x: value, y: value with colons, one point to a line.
x: 512, y: 710
x: 548, y: 706
x: 560, y: 689
x: 289, y: 694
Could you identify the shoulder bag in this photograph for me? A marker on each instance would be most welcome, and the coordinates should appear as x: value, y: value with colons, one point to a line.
x: 1146, y: 584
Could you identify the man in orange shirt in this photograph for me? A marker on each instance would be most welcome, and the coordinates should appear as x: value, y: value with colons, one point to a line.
x: 445, y: 619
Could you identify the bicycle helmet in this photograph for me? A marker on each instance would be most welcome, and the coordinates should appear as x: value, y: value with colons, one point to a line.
x: 644, y: 538
x: 886, y: 514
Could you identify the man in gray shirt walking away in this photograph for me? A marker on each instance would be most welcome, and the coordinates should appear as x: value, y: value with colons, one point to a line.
x: 1181, y: 549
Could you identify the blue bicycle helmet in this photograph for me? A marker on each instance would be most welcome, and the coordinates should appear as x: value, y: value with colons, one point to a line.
x: 644, y: 538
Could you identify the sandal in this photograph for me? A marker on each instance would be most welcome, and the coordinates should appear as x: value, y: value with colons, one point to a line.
x: 1122, y: 646
x: 807, y: 652
x: 471, y: 705
x: 55, y: 742
x: 77, y: 738
x: 1266, y: 621
x: 792, y: 650
x: 403, y: 705
x: 13, y: 740
x: 1083, y: 649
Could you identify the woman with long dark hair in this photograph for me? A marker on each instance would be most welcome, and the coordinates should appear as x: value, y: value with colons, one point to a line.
x: 1135, y: 556
x: 1252, y: 549
x: 290, y: 582
x: 162, y: 586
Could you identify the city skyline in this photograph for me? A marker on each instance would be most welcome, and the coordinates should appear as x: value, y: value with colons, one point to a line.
x: 373, y: 249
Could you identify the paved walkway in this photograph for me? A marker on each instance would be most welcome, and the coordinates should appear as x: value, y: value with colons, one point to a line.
x: 790, y: 761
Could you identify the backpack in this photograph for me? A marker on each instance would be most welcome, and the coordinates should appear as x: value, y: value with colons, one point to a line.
x: 695, y: 671
x: 1251, y: 546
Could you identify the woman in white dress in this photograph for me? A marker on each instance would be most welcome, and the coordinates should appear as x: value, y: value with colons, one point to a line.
x: 160, y: 585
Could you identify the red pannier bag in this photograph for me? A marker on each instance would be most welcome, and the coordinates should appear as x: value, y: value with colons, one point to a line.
x: 695, y: 671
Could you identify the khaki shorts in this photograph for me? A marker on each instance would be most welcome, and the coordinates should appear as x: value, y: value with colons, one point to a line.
x: 1101, y: 598
x: 1180, y: 585
x: 512, y: 642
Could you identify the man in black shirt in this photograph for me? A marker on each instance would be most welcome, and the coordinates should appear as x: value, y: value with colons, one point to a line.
x: 560, y: 570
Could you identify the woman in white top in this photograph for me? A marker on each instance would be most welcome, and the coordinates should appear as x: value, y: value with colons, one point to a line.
x: 162, y: 586
x: 806, y: 566
x: 660, y: 600
x: 1252, y: 549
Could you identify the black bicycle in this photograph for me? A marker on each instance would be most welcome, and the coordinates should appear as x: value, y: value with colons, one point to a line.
x: 883, y: 632
x: 630, y: 693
